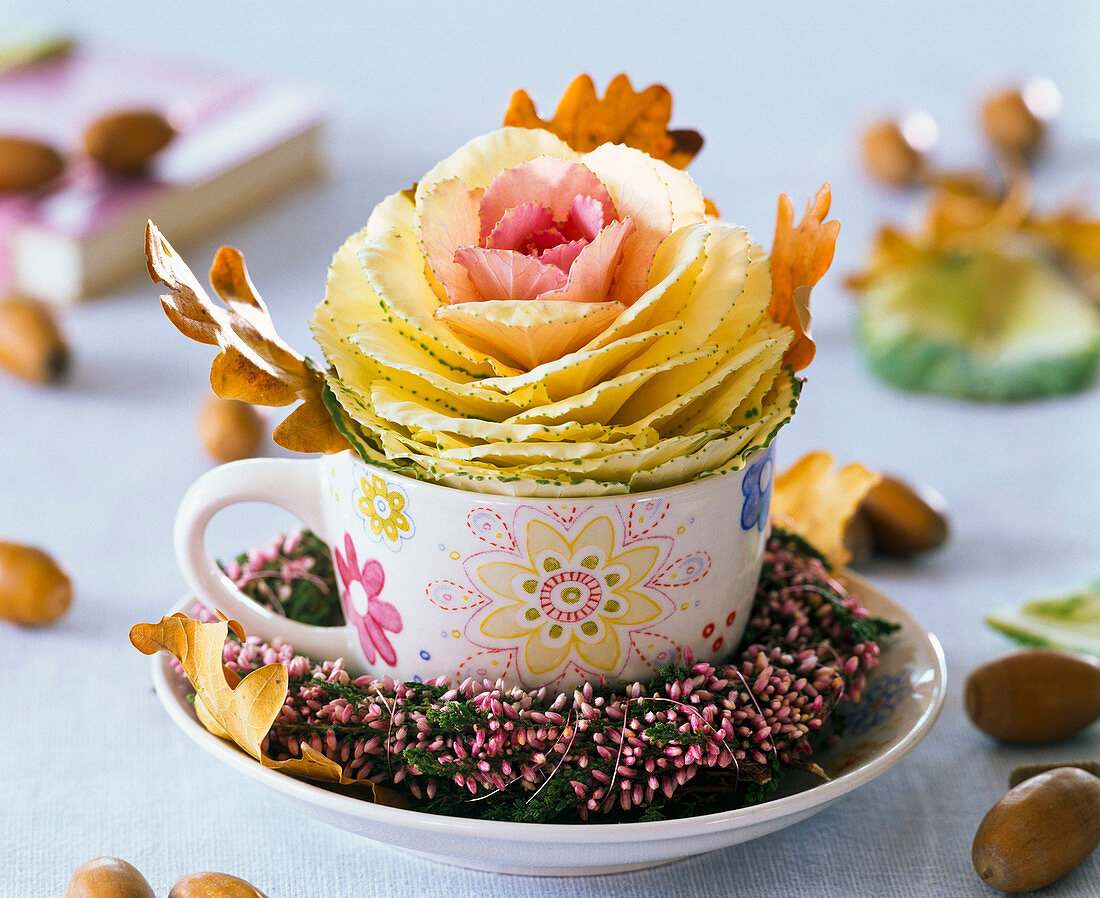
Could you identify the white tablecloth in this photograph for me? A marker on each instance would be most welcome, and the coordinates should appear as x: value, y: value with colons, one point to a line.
x: 93, y: 470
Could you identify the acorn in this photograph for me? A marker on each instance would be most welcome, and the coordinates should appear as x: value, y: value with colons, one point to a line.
x: 230, y: 430
x: 33, y: 589
x: 888, y: 156
x: 1034, y: 695
x: 1010, y: 124
x: 1027, y: 771
x: 214, y: 885
x: 27, y: 164
x: 1039, y: 831
x: 902, y: 519
x: 31, y: 343
x: 126, y: 141
x: 108, y: 876
x: 858, y: 539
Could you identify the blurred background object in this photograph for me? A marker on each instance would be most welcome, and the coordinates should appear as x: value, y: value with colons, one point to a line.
x: 991, y: 298
x: 31, y: 343
x: 95, y: 138
x: 230, y: 430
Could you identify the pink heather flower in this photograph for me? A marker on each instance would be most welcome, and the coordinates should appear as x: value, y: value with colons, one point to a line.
x: 258, y: 557
x: 296, y: 568
x: 245, y: 577
x: 365, y: 610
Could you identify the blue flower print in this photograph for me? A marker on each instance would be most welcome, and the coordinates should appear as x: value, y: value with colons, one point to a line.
x: 757, y: 487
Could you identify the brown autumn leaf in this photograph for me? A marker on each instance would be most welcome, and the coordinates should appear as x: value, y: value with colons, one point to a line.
x: 637, y: 119
x: 817, y: 502
x: 1071, y: 229
x: 241, y: 710
x: 254, y: 364
x: 965, y: 213
x: 800, y: 256
x: 1075, y: 236
x: 968, y: 213
x: 892, y: 248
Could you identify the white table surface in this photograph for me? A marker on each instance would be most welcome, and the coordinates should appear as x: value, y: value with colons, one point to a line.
x: 93, y: 470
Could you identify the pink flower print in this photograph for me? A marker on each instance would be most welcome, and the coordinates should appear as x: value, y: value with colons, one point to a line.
x: 371, y: 617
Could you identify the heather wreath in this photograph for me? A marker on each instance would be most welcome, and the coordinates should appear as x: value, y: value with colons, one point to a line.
x: 695, y: 738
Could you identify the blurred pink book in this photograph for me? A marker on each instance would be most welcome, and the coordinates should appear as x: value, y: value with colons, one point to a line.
x: 240, y: 143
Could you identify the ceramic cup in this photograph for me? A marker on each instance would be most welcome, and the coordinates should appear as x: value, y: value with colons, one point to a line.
x: 543, y: 592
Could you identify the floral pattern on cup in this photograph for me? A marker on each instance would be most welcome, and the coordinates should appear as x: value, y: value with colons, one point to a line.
x: 568, y: 595
x: 757, y: 490
x: 382, y: 505
x: 360, y: 588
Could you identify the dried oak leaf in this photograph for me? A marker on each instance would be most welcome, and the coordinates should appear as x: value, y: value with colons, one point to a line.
x: 254, y: 364
x: 1075, y: 236
x: 968, y: 212
x: 637, y: 119
x: 964, y: 213
x: 241, y: 710
x: 800, y: 256
x: 892, y: 248
x: 817, y: 502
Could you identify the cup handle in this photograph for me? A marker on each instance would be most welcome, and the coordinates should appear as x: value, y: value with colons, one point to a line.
x: 292, y: 484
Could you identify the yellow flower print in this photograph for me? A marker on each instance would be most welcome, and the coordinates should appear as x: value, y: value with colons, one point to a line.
x: 384, y: 510
x: 573, y: 599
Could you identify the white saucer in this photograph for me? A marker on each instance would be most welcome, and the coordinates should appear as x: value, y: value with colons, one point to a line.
x: 902, y: 700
